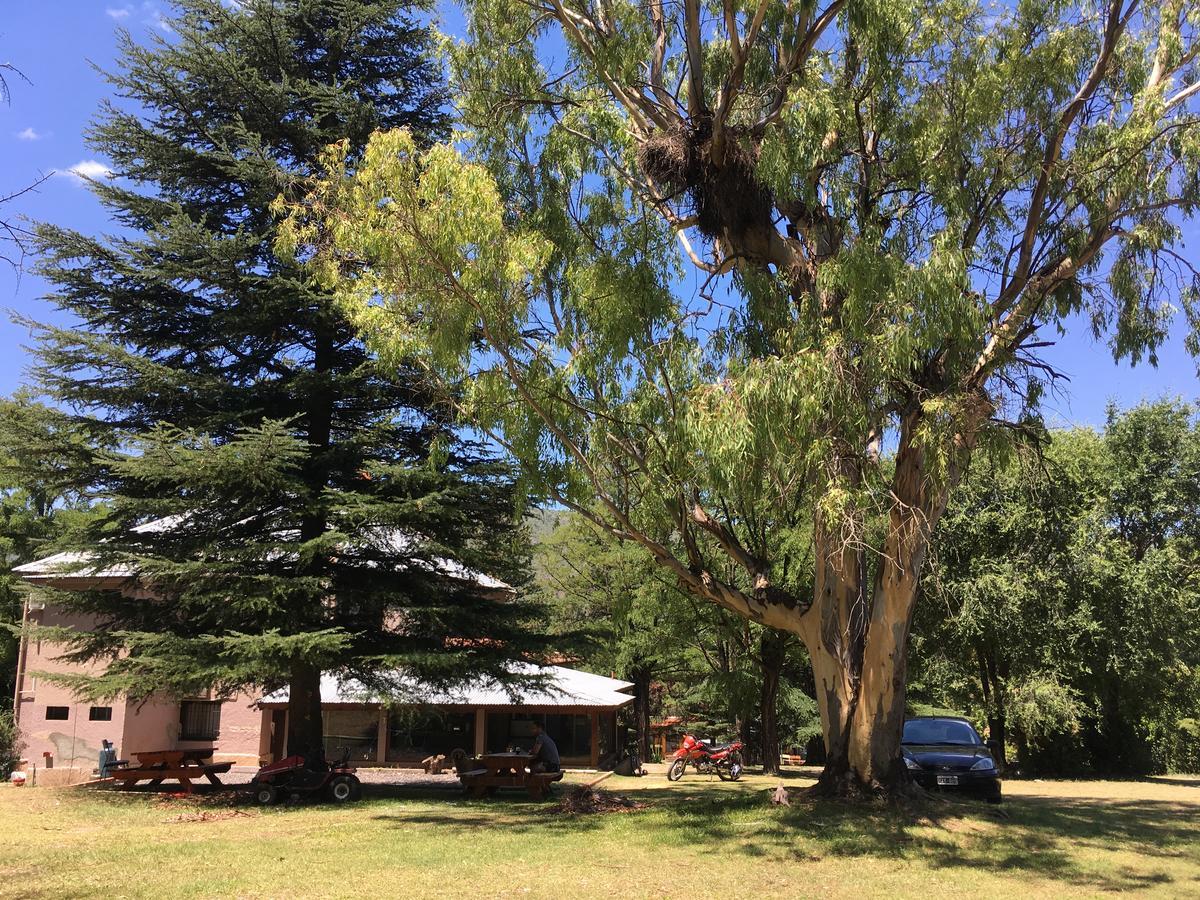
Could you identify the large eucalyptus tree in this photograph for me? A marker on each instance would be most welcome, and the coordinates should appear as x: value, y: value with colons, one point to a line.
x: 714, y: 264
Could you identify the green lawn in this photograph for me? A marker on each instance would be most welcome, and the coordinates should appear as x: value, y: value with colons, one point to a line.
x: 697, y: 839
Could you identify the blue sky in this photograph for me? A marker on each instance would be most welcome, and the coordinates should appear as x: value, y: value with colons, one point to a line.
x: 55, y: 43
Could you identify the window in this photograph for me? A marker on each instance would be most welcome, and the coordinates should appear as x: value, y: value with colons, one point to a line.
x: 572, y: 733
x: 415, y: 732
x: 58, y: 713
x: 100, y: 714
x: 199, y: 720
x: 353, y: 727
x: 940, y: 731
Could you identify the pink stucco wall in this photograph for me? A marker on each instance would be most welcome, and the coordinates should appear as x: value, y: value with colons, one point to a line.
x: 147, y: 725
x: 243, y: 735
x: 77, y: 739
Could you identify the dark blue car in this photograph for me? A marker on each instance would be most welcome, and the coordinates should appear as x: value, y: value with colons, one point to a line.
x: 946, y: 753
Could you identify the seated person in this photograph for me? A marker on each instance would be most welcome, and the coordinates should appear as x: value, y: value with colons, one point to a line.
x: 544, y: 752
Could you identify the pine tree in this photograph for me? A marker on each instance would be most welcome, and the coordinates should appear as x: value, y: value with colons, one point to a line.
x: 34, y: 511
x: 293, y: 511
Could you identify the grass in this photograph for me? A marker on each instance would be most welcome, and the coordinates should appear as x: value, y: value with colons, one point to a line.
x: 697, y: 839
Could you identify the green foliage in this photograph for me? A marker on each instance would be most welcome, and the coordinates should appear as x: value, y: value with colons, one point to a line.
x: 885, y: 225
x: 34, y: 511
x: 547, y: 245
x: 1042, y: 709
x: 1064, y: 596
x: 312, y: 515
x: 11, y: 744
x: 887, y: 207
x: 611, y: 608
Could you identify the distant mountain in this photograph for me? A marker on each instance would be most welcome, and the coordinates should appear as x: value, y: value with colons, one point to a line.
x: 543, y: 521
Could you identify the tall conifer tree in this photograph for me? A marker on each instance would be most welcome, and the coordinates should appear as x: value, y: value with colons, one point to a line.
x: 294, y: 513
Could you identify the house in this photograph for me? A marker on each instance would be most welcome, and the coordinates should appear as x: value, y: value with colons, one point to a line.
x: 577, y: 709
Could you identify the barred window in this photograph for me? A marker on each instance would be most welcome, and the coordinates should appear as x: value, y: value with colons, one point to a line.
x: 100, y: 714
x: 58, y: 713
x: 199, y: 720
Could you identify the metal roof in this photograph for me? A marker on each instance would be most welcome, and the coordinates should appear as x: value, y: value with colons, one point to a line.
x: 562, y: 687
x: 74, y: 564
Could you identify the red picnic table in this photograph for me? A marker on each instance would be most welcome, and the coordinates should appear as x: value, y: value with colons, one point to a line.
x: 183, y: 766
x: 507, y: 770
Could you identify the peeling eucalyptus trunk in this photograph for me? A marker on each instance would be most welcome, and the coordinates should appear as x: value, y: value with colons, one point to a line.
x: 835, y: 636
x: 858, y: 638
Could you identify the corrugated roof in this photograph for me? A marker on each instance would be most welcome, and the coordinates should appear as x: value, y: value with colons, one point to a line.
x: 73, y: 564
x: 563, y: 687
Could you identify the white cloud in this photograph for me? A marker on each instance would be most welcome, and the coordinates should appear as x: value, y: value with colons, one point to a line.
x: 29, y: 134
x: 154, y: 18
x: 117, y: 13
x: 85, y: 168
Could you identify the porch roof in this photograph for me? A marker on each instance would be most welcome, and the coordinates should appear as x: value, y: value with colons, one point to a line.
x: 562, y: 687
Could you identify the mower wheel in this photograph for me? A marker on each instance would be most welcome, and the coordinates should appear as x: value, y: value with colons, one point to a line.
x: 344, y: 788
x: 266, y: 794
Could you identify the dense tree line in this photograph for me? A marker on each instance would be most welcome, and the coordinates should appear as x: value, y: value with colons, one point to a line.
x: 887, y: 207
x: 1060, y: 611
x: 316, y: 323
x: 1064, y: 600
x: 615, y: 612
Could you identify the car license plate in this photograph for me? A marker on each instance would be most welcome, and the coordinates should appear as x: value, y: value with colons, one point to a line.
x: 947, y: 779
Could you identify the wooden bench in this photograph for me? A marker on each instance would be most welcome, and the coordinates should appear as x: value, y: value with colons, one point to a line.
x: 184, y: 766
x: 539, y: 783
x: 507, y: 770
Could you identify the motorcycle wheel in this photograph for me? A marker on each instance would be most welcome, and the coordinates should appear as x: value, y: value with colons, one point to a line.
x: 675, y: 772
x: 732, y: 769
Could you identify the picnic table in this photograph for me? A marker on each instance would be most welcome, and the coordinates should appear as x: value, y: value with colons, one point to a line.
x: 183, y: 766
x: 507, y: 770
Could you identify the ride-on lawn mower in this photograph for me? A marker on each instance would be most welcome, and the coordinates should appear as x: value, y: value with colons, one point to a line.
x: 295, y: 776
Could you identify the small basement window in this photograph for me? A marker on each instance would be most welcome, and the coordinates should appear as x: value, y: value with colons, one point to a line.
x: 199, y: 720
x: 100, y: 714
x: 58, y: 713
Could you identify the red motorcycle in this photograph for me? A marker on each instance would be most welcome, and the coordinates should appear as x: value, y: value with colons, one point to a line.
x: 723, y: 759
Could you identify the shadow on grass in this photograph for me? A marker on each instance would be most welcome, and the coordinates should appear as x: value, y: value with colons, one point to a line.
x: 1061, y: 840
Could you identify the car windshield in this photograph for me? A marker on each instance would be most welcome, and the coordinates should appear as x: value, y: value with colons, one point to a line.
x: 940, y: 731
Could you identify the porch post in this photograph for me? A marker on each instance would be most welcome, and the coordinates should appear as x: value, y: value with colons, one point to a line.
x: 264, y: 738
x: 381, y: 736
x: 595, y: 739
x: 480, y: 729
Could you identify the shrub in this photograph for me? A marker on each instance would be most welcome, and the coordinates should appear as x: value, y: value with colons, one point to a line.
x: 11, y: 744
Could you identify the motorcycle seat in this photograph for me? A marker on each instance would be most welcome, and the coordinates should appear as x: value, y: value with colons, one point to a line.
x: 717, y: 748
